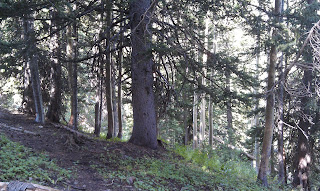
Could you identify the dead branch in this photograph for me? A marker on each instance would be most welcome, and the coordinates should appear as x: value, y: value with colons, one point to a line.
x: 77, y: 133
x: 313, y: 32
x: 20, y: 129
x: 16, y: 185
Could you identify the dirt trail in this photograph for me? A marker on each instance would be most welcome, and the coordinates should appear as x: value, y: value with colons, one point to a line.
x: 69, y: 151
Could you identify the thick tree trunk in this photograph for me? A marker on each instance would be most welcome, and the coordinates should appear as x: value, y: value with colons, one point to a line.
x: 54, y: 109
x: 268, y: 131
x: 144, y: 115
x: 195, y: 121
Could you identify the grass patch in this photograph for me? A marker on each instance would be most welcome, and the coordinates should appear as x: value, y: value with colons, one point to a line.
x: 20, y: 163
x: 198, y: 170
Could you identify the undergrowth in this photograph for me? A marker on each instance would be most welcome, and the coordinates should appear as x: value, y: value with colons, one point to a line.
x: 192, y: 170
x: 20, y: 163
x: 229, y: 170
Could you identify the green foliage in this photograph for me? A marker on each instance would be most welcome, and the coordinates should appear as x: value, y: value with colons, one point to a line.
x: 199, y: 170
x: 240, y: 174
x: 20, y: 163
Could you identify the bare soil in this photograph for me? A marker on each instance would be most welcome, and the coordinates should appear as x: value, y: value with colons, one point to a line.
x: 75, y: 152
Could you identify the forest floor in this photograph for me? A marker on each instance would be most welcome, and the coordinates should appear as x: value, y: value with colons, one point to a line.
x: 82, y: 155
x: 54, y: 156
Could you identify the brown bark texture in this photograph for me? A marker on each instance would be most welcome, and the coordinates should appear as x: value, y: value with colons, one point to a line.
x: 144, y: 115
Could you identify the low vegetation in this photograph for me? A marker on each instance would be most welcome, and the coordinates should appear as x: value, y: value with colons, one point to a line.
x: 20, y: 163
x: 181, y: 168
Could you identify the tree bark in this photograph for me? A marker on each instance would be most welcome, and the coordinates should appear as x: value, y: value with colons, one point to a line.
x: 114, y: 105
x: 54, y: 109
x: 73, y: 73
x: 120, y: 90
x: 120, y: 60
x: 109, y: 101
x: 27, y: 100
x: 302, y: 159
x: 144, y: 115
x: 210, y: 108
x: 98, y: 105
x: 229, y: 108
x: 34, y: 71
x: 195, y: 121
x: 202, y: 117
x: 281, y: 173
x: 268, y: 131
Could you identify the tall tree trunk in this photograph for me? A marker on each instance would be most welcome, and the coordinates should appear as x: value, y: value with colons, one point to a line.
x: 257, y: 153
x: 210, y: 108
x: 268, y: 131
x: 27, y: 100
x: 195, y: 121
x: 73, y: 73
x: 109, y: 99
x: 302, y: 159
x: 120, y: 60
x: 185, y: 119
x: 54, y: 109
x: 34, y: 71
x: 97, y: 111
x: 144, y: 115
x: 229, y: 108
x: 280, y: 157
x: 202, y: 117
x: 115, y: 108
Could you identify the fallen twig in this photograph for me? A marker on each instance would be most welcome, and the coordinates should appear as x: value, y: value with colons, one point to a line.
x: 18, y: 129
x: 77, y: 133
